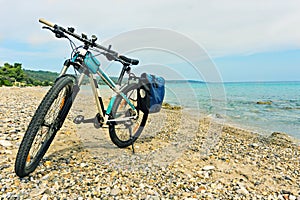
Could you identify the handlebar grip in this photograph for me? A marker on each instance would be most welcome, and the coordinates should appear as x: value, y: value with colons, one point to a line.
x: 43, y: 21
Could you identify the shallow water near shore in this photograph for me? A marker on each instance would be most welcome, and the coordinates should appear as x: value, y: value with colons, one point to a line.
x: 262, y: 107
x: 258, y: 106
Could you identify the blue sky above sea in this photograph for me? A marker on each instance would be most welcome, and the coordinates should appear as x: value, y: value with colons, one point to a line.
x: 246, y: 41
x: 265, y: 66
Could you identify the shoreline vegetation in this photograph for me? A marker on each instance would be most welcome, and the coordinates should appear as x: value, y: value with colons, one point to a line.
x: 177, y: 157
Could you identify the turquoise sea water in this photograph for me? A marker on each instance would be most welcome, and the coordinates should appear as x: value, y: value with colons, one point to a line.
x: 236, y: 103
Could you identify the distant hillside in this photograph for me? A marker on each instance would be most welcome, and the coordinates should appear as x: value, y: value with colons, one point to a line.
x: 50, y: 77
x: 41, y: 76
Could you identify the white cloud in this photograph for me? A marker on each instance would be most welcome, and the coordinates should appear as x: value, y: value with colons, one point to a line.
x: 222, y: 27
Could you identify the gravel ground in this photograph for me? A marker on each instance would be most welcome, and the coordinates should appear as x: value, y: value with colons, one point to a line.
x: 178, y: 156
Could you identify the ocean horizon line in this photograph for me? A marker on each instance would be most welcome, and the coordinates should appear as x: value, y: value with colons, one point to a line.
x: 225, y: 82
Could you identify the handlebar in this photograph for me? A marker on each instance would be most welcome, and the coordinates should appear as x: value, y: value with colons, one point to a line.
x: 110, y: 53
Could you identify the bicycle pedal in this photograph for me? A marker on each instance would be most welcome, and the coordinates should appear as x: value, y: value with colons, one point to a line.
x: 78, y: 119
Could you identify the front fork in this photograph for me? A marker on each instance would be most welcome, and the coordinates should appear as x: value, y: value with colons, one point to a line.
x: 67, y: 106
x: 69, y: 101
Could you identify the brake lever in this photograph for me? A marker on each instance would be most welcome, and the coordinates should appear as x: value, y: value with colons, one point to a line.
x: 47, y: 27
x: 58, y: 33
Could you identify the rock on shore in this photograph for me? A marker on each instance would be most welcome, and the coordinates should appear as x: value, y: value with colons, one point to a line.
x: 176, y: 158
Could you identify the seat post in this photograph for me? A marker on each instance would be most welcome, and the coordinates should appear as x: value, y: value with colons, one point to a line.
x: 124, y: 69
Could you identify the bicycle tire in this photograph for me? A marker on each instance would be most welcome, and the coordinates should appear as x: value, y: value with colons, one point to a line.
x: 43, y: 127
x: 119, y: 138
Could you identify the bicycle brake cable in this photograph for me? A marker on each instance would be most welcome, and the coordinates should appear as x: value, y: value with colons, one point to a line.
x: 97, y: 50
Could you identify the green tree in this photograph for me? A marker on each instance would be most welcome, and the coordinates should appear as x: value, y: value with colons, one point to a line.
x: 18, y: 72
x: 11, y: 73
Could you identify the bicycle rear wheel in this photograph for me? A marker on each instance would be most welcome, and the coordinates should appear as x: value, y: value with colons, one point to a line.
x: 124, y: 131
x: 46, y: 121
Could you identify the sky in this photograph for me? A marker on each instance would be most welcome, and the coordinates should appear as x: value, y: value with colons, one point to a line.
x: 250, y: 40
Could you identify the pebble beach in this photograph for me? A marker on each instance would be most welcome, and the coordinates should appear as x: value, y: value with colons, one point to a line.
x: 178, y: 156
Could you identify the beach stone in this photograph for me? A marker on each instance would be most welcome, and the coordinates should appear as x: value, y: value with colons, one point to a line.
x: 46, y: 177
x: 242, y: 190
x: 280, y: 138
x: 208, y: 168
x: 7, y: 152
x: 5, y: 143
x: 38, y: 191
x: 12, y: 131
x: 115, y: 191
x: 155, y: 197
x: 45, y: 197
x: 201, y: 189
x: 292, y: 197
x: 254, y: 145
x: 83, y: 165
x: 4, y: 166
x: 288, y: 178
x: 151, y: 192
x: 47, y: 163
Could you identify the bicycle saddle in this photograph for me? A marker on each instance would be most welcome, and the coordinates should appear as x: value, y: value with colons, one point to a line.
x: 129, y: 60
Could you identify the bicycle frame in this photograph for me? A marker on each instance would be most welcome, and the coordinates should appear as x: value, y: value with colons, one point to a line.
x: 95, y: 89
x: 85, y: 63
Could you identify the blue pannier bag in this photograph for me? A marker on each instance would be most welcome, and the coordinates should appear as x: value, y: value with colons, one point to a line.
x: 151, y: 93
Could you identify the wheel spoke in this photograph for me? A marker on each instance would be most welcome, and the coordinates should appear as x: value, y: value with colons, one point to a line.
x: 37, y: 143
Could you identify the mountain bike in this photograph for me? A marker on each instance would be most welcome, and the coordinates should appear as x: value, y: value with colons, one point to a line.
x: 124, y: 118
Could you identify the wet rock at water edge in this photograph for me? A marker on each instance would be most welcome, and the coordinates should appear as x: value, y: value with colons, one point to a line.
x: 264, y: 102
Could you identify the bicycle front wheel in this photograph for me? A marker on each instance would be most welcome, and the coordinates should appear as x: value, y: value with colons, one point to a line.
x: 46, y: 121
x: 125, y: 128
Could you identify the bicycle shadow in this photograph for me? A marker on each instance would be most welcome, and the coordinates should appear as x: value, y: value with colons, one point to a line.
x: 81, y: 119
x: 53, y: 161
x: 152, y: 148
x: 96, y: 140
x: 66, y: 152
